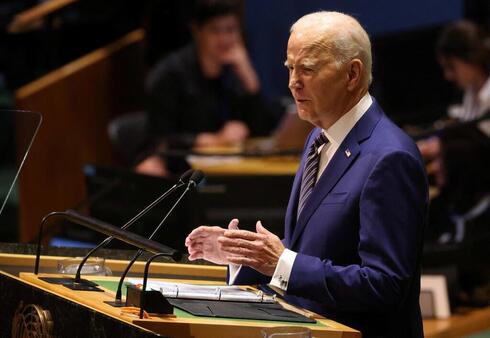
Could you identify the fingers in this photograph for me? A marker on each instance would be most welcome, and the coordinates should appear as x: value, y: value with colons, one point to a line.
x: 195, y: 256
x: 195, y: 247
x: 204, y: 231
x: 261, y: 230
x: 244, y: 234
x: 227, y: 243
x: 233, y: 225
x: 198, y: 232
x: 241, y: 251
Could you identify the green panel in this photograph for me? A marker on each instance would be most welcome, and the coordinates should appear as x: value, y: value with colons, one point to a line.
x: 112, y: 285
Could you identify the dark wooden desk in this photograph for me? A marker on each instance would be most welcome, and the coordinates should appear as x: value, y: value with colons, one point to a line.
x: 463, y: 323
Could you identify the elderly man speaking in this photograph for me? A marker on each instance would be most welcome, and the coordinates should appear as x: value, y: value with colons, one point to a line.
x: 356, y: 214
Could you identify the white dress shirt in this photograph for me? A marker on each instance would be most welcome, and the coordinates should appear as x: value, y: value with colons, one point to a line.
x: 475, y: 104
x: 336, y: 135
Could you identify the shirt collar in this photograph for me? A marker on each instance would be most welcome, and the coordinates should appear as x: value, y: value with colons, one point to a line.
x: 339, y: 130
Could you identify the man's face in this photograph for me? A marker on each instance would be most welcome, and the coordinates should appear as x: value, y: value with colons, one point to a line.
x: 459, y: 72
x: 317, y: 83
x: 218, y: 36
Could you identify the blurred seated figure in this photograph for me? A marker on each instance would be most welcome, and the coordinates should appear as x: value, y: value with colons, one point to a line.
x: 463, y: 51
x: 206, y: 94
x: 459, y: 221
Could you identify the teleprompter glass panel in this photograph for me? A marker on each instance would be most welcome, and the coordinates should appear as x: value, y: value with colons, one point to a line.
x: 18, y: 129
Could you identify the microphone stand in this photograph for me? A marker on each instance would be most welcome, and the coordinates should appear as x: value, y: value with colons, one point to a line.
x: 117, y: 302
x: 145, y: 281
x: 108, y: 229
x: 182, y: 181
x: 125, y: 226
x: 39, y: 237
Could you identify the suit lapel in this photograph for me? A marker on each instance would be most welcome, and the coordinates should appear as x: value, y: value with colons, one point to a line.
x: 343, y: 158
x: 332, y: 174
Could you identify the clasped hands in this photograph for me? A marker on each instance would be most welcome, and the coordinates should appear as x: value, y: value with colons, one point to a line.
x: 232, y: 132
x: 259, y: 250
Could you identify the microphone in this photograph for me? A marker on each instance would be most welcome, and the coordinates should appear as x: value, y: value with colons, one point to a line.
x: 108, y: 229
x: 194, y: 180
x: 182, y: 181
x: 121, y: 234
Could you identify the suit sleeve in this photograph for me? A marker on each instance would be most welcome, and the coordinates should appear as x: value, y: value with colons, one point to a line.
x: 392, y: 211
x: 249, y: 276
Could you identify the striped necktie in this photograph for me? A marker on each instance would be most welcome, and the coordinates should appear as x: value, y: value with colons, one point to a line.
x: 311, y: 171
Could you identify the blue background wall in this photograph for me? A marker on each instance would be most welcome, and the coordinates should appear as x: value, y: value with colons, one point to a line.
x: 267, y: 25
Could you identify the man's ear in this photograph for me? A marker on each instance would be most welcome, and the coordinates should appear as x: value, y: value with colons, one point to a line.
x: 354, y: 71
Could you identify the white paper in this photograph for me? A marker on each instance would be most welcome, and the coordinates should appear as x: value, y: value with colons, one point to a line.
x: 208, y: 292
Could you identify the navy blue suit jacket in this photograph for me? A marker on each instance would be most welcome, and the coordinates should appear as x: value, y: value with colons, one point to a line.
x: 359, y: 236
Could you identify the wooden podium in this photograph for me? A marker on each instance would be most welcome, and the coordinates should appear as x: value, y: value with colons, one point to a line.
x: 184, y: 324
x: 68, y: 307
x: 83, y: 314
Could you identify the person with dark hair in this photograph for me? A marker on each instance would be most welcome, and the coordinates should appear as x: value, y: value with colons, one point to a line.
x: 208, y: 93
x: 463, y: 51
x: 458, y: 231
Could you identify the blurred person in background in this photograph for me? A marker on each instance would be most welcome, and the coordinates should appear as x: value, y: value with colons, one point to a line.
x: 463, y: 51
x: 459, y: 218
x: 207, y: 93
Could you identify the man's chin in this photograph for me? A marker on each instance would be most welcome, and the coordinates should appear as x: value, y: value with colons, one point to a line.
x: 304, y: 114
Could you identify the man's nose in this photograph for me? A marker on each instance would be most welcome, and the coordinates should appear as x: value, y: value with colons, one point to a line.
x: 294, y: 82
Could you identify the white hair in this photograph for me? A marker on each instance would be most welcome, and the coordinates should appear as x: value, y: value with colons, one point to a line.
x: 342, y: 35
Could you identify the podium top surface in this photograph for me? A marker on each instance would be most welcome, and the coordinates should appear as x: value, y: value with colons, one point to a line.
x: 183, y: 324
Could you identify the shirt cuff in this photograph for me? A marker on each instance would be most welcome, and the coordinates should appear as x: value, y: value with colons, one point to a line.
x: 280, y: 278
x: 233, y: 270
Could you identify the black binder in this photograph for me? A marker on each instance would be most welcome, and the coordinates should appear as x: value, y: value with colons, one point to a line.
x: 239, y: 310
